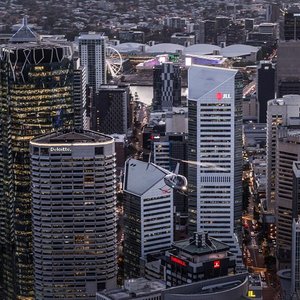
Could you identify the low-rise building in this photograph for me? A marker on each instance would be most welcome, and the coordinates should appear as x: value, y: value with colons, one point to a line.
x: 198, y: 258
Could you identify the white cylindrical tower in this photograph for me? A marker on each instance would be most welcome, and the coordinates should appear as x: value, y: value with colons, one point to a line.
x: 74, y: 214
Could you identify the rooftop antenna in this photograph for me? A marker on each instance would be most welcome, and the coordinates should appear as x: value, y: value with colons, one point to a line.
x: 25, y: 20
x: 149, y: 161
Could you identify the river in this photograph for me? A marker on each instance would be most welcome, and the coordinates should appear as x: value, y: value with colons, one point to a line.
x: 145, y: 93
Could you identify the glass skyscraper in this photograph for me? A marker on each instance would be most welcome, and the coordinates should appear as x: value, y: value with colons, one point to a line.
x: 166, y: 86
x: 36, y: 97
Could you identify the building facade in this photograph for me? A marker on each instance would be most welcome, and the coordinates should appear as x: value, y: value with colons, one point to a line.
x: 280, y: 112
x: 291, y: 25
x: 166, y: 86
x: 36, y: 84
x: 198, y: 258
x: 215, y: 144
x: 74, y: 214
x: 295, y: 266
x: 265, y: 88
x: 81, y: 119
x: 92, y: 51
x: 111, y: 109
x: 148, y: 211
x: 288, y: 151
x: 287, y: 68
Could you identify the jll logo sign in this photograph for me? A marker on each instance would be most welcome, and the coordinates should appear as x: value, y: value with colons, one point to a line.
x: 221, y: 96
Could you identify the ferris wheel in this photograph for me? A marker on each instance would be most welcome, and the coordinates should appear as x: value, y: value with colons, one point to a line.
x: 114, y: 61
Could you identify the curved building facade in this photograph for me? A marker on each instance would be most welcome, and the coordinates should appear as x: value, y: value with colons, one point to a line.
x: 36, y: 97
x: 74, y: 215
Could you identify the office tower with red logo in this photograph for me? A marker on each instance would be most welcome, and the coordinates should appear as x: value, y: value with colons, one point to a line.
x: 215, y: 147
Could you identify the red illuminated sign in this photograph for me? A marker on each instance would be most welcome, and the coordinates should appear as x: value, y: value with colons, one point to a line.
x: 178, y: 261
x: 217, y: 264
x: 221, y: 96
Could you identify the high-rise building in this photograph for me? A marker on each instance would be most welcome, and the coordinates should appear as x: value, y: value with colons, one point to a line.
x: 74, y: 214
x: 295, y: 276
x: 287, y: 68
x: 148, y: 211
x: 209, y: 31
x: 280, y: 112
x: 235, y: 34
x: 265, y: 87
x: 131, y: 36
x: 111, y: 109
x: 288, y: 151
x: 36, y: 83
x: 292, y: 25
x: 166, y: 86
x: 176, y: 22
x: 79, y: 95
x: 221, y: 24
x: 296, y: 190
x: 249, y: 24
x: 272, y: 12
x: 185, y: 39
x: 92, y: 51
x: 215, y: 144
x: 295, y: 263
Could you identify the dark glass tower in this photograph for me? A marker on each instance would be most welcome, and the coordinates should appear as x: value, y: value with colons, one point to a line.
x: 265, y: 87
x: 36, y: 97
x: 292, y: 25
x: 166, y: 86
x: 111, y: 109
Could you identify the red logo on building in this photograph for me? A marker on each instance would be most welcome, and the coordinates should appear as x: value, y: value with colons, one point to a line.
x: 217, y: 264
x: 178, y: 261
x: 219, y: 96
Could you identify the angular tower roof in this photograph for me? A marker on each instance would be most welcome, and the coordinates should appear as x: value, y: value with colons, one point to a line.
x: 140, y: 176
x: 203, y: 80
x: 24, y: 34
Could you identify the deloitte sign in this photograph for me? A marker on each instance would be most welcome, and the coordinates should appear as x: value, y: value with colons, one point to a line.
x: 60, y: 149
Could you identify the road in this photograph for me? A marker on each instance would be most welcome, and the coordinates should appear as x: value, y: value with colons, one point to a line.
x: 249, y: 89
x: 253, y: 259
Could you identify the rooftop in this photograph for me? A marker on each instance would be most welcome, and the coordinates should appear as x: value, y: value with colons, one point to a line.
x: 73, y: 137
x: 201, y: 49
x: 38, y: 45
x: 210, y: 246
x: 238, y: 50
x: 203, y: 80
x: 24, y: 34
x: 91, y: 36
x: 134, y: 288
x: 165, y: 48
x: 286, y: 100
x: 140, y: 176
x: 131, y: 47
x: 212, y: 287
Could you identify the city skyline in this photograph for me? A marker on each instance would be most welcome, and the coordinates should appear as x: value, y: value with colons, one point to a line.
x: 149, y: 149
